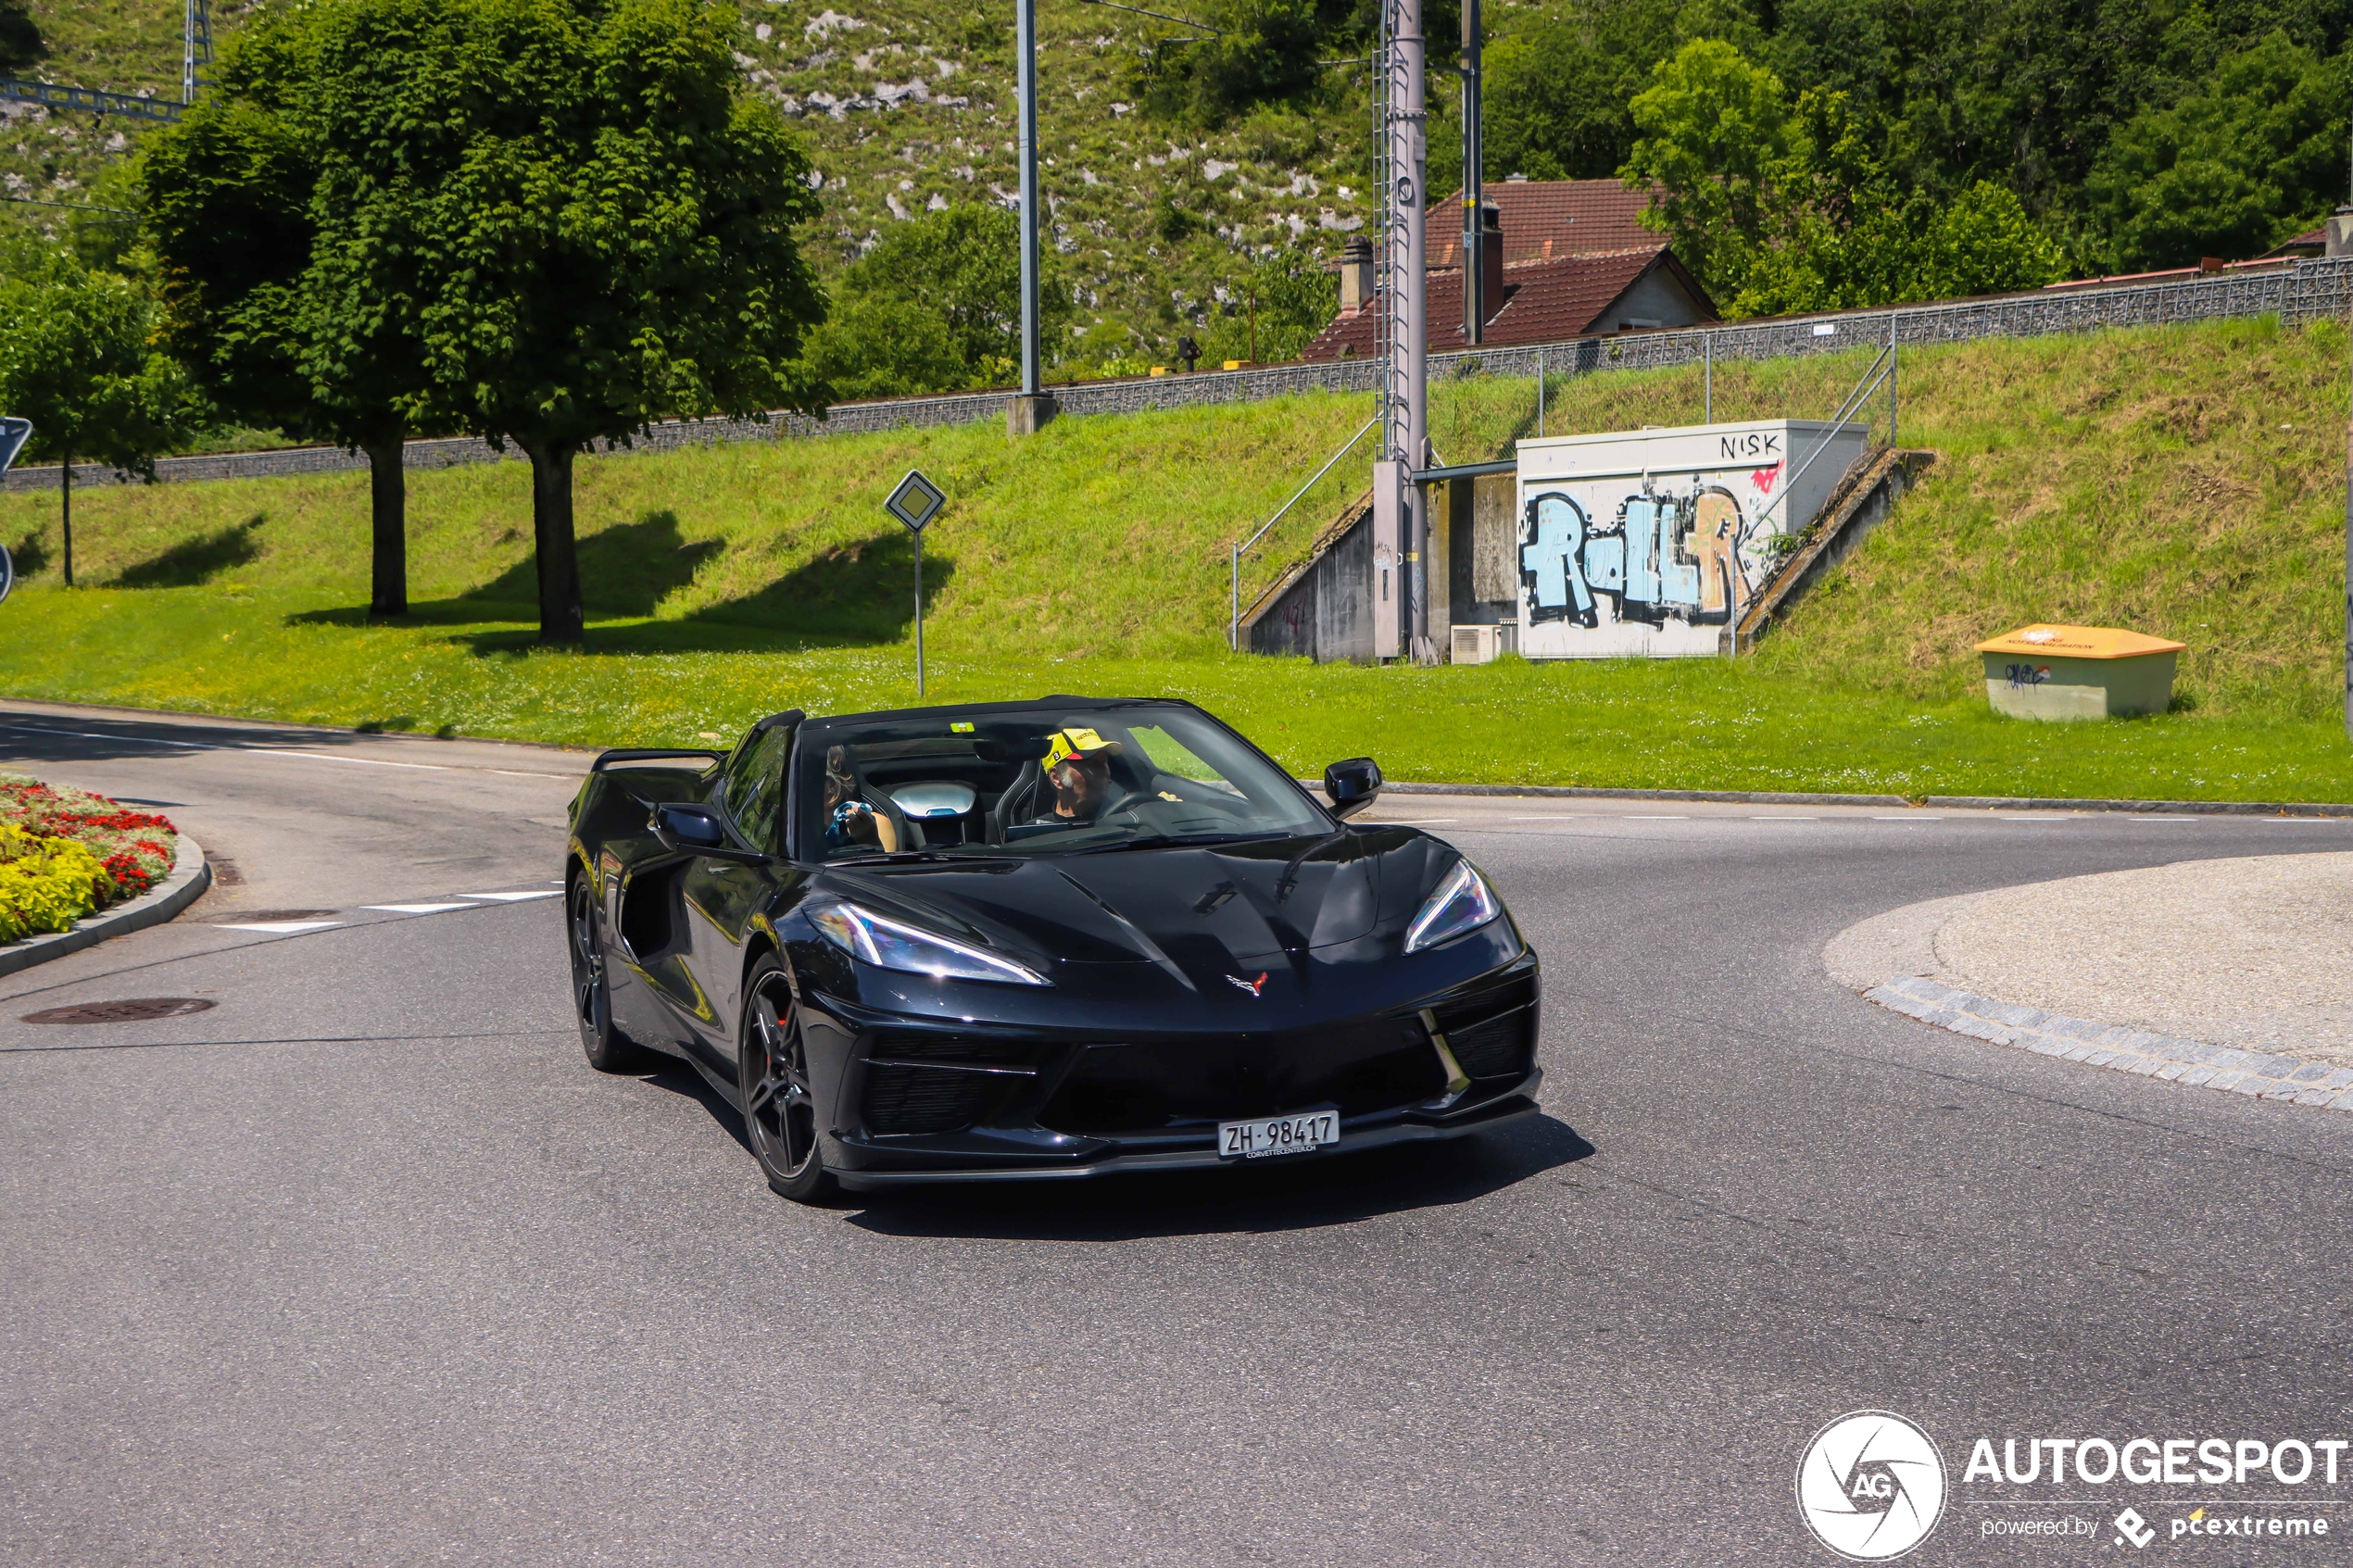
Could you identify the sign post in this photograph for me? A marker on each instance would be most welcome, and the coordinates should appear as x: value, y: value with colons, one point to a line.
x: 915, y: 502
x: 14, y: 434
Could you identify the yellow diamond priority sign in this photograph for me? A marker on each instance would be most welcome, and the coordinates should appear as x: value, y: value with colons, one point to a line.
x: 916, y: 501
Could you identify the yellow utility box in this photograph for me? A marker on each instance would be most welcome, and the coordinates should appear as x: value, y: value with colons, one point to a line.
x: 2077, y: 673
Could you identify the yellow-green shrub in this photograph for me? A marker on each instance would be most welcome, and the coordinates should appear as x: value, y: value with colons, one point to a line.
x: 45, y: 884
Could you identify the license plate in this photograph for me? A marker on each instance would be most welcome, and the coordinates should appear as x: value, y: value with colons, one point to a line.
x: 1277, y: 1134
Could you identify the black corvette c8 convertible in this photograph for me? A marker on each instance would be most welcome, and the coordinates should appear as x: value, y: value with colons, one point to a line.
x: 1035, y: 940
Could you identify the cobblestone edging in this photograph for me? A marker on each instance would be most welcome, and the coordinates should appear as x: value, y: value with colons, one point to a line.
x: 181, y: 886
x: 2306, y: 291
x: 2189, y: 1063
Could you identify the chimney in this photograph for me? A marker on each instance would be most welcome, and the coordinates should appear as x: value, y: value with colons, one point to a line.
x: 1491, y: 261
x: 2339, y: 233
x: 1355, y: 269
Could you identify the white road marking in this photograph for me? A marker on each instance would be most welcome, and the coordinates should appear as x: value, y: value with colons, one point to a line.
x: 1658, y: 819
x: 2179, y: 819
x: 2301, y: 822
x: 1785, y: 819
x: 282, y: 927
x: 1908, y: 819
x: 274, y: 751
x: 2040, y: 819
x: 419, y: 909
x: 512, y: 897
x: 329, y: 757
x: 100, y: 735
x: 1420, y: 822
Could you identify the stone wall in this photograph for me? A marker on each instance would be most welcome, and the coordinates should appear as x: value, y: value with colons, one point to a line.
x: 2303, y: 291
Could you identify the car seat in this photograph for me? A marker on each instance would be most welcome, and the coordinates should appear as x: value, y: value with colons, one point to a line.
x: 1019, y: 801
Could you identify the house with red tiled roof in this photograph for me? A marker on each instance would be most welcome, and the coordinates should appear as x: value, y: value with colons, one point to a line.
x: 1541, y: 301
x: 1544, y: 218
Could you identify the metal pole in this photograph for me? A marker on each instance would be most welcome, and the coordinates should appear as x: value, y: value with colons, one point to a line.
x: 1412, y: 66
x: 1474, y: 182
x: 919, y: 612
x: 1895, y: 357
x: 1026, y: 49
x: 1708, y: 359
x: 1234, y: 609
x: 1539, y: 394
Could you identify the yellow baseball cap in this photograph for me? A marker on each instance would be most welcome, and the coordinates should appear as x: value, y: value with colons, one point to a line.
x: 1084, y: 745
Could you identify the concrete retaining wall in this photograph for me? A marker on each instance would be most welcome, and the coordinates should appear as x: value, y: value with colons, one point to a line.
x: 2305, y: 290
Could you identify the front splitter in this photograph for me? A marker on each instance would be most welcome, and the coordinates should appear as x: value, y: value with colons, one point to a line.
x: 1192, y: 1160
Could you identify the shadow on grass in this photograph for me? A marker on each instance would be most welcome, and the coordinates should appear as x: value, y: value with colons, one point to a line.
x: 193, y: 561
x: 849, y: 596
x: 30, y: 554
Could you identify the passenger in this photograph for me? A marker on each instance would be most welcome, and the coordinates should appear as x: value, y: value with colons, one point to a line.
x: 850, y: 821
x: 1078, y: 768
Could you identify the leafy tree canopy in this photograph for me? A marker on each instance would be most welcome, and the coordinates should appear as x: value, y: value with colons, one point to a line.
x: 1784, y: 208
x: 576, y: 215
x: 2253, y: 156
x: 936, y: 306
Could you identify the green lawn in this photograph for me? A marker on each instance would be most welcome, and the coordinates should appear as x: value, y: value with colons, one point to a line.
x: 2182, y: 481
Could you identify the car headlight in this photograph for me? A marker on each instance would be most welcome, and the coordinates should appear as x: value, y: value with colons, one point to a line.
x: 889, y: 943
x: 1461, y: 903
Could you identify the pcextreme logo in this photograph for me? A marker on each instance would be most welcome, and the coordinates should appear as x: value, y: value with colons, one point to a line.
x: 1871, y: 1485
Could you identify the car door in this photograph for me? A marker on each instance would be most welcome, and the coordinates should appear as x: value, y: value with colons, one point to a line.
x: 722, y: 895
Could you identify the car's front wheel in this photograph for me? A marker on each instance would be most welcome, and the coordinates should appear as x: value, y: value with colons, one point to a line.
x: 780, y: 1113
x: 607, y: 1049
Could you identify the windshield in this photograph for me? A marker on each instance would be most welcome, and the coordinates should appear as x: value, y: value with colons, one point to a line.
x: 1049, y: 781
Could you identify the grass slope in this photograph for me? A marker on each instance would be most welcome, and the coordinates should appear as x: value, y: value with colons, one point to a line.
x: 2183, y: 481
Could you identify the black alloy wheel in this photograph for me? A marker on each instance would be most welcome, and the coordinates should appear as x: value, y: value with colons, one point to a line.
x: 780, y: 1111
x: 607, y: 1049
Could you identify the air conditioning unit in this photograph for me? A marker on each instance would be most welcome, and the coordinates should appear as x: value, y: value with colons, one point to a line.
x: 1474, y: 644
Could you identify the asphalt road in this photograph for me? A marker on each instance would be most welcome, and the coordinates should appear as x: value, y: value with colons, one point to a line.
x: 364, y: 1266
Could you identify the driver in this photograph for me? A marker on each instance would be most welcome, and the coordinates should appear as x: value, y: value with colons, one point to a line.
x: 1078, y: 768
x: 848, y: 820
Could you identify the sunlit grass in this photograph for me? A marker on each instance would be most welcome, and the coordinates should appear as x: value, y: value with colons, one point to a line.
x: 2186, y: 481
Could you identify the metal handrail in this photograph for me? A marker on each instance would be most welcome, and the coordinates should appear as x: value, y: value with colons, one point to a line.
x: 1865, y: 386
x: 1234, y: 621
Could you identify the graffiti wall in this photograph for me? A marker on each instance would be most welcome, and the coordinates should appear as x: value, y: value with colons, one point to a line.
x: 1647, y: 544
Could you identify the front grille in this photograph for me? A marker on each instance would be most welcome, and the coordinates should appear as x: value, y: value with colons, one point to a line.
x: 1499, y: 1048
x: 1361, y: 1068
x: 926, y: 1099
x: 1494, y: 1034
x: 924, y: 1083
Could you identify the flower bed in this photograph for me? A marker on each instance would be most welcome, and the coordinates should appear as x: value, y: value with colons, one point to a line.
x: 64, y: 853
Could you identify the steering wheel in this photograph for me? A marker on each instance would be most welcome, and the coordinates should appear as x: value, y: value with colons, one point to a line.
x: 1132, y: 797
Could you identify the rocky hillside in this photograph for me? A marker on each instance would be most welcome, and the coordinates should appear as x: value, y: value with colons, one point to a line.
x: 908, y: 105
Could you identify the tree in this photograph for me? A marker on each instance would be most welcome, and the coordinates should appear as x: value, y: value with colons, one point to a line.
x: 1275, y: 309
x: 20, y: 41
x: 78, y: 358
x: 1714, y: 127
x: 576, y: 212
x: 1787, y: 209
x: 1558, y: 87
x: 936, y: 306
x: 2233, y: 169
x: 227, y: 195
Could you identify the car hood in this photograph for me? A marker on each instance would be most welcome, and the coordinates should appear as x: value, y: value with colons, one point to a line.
x: 1197, y: 912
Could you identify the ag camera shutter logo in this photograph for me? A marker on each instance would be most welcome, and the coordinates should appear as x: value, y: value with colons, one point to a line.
x: 1871, y: 1485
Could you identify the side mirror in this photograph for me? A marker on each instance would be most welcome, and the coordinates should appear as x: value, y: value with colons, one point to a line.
x: 688, y: 829
x: 1352, y: 785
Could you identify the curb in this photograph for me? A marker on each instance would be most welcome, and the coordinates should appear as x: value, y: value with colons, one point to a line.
x: 189, y: 878
x: 2154, y: 808
x: 1567, y: 792
x: 2190, y: 1063
x: 1951, y: 802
